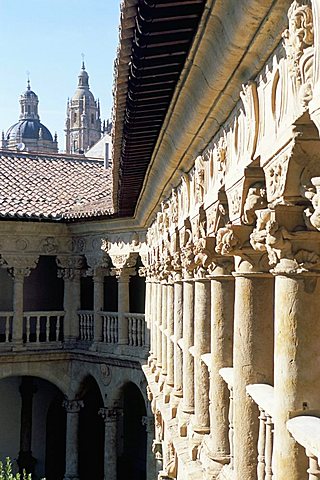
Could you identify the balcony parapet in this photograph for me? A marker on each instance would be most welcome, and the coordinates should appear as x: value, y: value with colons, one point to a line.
x: 305, y: 430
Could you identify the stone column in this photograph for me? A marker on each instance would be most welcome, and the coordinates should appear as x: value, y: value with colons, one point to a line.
x: 98, y: 298
x: 159, y: 323
x: 170, y: 331
x: 25, y: 459
x: 153, y: 320
x: 188, y: 340
x: 70, y: 271
x: 148, y: 422
x: 252, y: 359
x: 72, y: 456
x: 163, y: 329
x: 110, y: 416
x: 201, y: 346
x: 222, y: 304
x: 296, y: 365
x: 19, y: 268
x: 18, y: 275
x: 178, y: 333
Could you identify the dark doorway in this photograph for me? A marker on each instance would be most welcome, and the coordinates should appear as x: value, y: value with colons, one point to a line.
x: 91, y: 433
x: 132, y: 454
x: 56, y: 440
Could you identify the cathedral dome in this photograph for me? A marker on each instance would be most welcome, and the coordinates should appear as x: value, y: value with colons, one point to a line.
x: 28, y: 129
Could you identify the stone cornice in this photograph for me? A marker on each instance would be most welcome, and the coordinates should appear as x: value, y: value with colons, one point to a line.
x: 193, y: 120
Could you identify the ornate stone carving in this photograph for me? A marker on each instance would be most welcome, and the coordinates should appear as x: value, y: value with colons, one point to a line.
x: 19, y: 266
x: 109, y: 415
x: 256, y: 200
x: 48, y: 245
x: 312, y: 215
x: 73, y: 406
x: 105, y: 373
x: 199, y: 179
x: 70, y: 267
x: 298, y: 43
x: 226, y: 241
x: 171, y: 461
x: 125, y: 260
x: 276, y: 178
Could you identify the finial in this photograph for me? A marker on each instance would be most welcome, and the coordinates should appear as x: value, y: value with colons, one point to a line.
x: 82, y: 55
x: 28, y: 80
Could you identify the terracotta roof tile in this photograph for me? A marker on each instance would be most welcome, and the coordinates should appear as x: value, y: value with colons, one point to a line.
x: 56, y: 187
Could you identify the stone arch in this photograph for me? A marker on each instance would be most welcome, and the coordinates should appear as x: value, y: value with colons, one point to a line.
x: 44, y: 370
x: 119, y: 382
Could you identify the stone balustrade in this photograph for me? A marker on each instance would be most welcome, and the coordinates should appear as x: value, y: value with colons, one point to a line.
x: 47, y: 327
x: 263, y: 396
x: 86, y: 324
x: 306, y: 431
x: 109, y: 327
x: 43, y: 327
x: 6, y: 319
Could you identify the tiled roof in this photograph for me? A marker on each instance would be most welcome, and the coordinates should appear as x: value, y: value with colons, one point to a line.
x: 53, y: 187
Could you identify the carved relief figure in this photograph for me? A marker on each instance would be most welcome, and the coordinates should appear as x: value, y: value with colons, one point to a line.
x: 256, y: 200
x: 298, y: 43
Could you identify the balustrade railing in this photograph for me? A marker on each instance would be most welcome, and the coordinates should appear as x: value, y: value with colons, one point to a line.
x: 305, y: 430
x: 86, y: 325
x: 263, y: 396
x: 42, y: 327
x: 227, y: 375
x: 6, y: 319
x: 136, y: 329
x: 109, y: 327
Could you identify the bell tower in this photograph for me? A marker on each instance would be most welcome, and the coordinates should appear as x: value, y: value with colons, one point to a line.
x: 83, y: 123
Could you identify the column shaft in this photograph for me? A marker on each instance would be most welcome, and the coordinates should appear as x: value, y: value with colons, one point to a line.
x: 159, y: 322
x: 123, y: 307
x: 164, y: 288
x: 202, y: 346
x: 296, y: 364
x: 222, y: 303
x: 178, y: 332
x: 170, y: 331
x: 72, y: 434
x: 188, y: 339
x: 253, y: 363
x: 17, y: 325
x: 71, y: 304
x: 98, y: 294
x: 110, y: 443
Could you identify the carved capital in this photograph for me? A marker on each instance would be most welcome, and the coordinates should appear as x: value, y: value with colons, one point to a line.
x: 148, y: 423
x: 109, y: 415
x: 20, y: 266
x: 124, y: 260
x: 70, y: 267
x: 227, y: 242
x: 123, y: 274
x: 73, y: 406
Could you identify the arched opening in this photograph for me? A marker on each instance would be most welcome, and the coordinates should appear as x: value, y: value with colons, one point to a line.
x: 132, y: 436
x: 6, y: 305
x: 26, y: 418
x: 56, y: 440
x: 91, y: 433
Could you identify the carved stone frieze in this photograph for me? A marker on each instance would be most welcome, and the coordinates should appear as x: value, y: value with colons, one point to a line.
x: 298, y: 43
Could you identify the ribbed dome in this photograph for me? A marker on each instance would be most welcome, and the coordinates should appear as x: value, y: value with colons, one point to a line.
x: 30, y: 129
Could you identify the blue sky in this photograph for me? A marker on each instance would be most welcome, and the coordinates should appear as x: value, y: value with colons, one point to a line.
x: 47, y: 38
